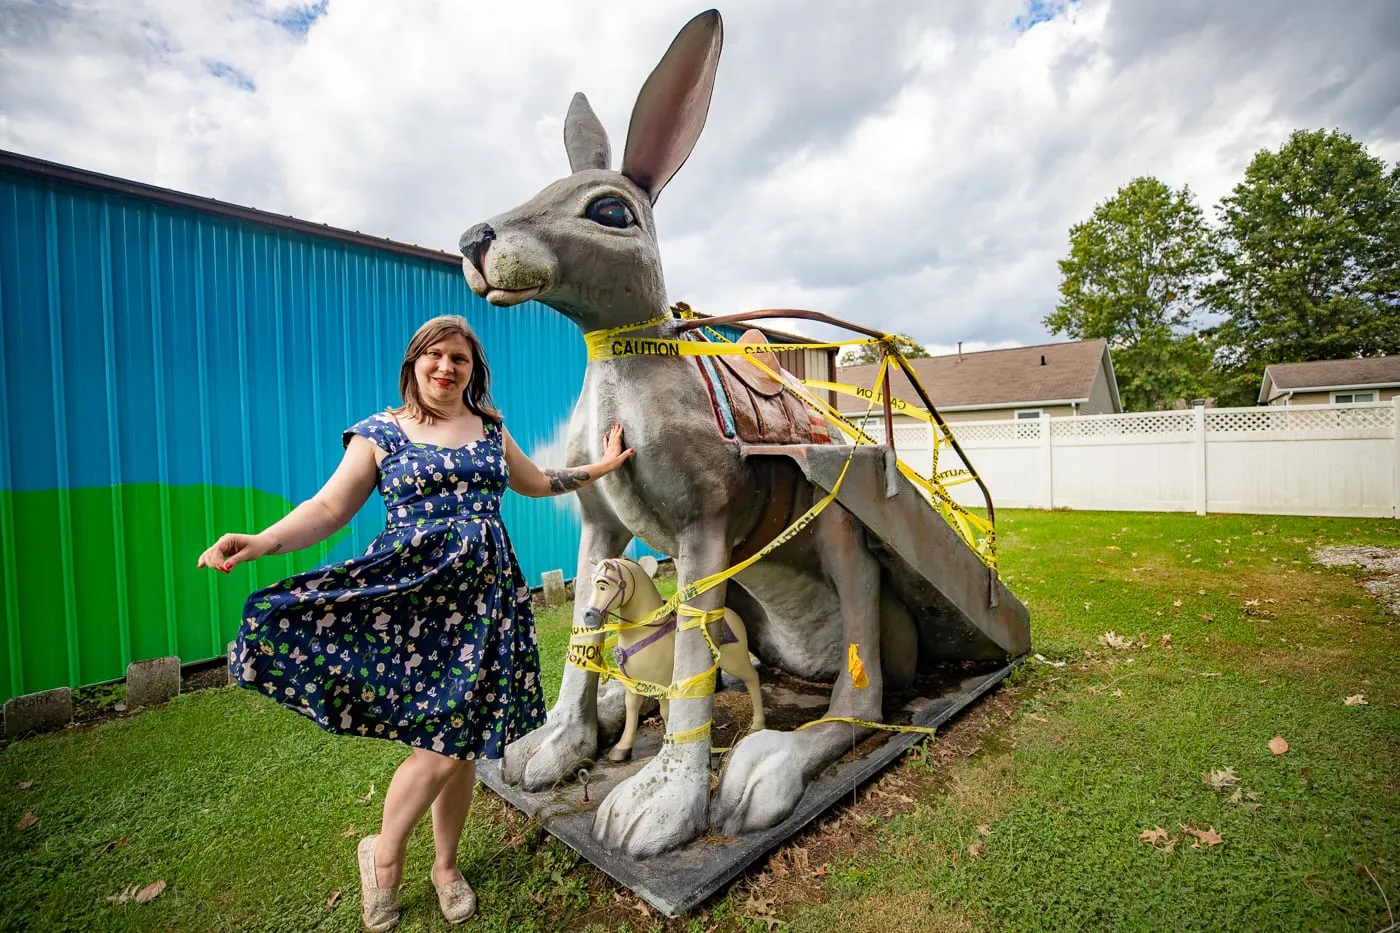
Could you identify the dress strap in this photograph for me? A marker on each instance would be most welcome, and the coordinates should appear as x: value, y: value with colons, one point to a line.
x: 380, y: 429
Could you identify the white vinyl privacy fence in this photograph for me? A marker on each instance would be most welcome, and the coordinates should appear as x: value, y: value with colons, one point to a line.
x: 1302, y: 460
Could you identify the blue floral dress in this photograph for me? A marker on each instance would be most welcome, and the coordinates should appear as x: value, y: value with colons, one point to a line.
x: 428, y: 638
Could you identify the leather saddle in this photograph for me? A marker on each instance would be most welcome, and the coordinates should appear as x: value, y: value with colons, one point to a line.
x: 755, y: 407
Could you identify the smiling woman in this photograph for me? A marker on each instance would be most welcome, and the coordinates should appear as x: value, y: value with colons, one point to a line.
x: 428, y: 638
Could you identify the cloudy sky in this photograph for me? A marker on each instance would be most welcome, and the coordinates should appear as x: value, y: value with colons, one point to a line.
x: 914, y: 166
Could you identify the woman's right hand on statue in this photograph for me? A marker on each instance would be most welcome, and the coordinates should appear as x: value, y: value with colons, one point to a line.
x: 233, y: 549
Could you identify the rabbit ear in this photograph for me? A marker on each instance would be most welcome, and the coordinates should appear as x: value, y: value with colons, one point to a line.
x: 584, y: 137
x: 648, y: 564
x: 671, y: 108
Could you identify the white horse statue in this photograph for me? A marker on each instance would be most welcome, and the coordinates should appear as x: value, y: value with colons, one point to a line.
x: 625, y: 588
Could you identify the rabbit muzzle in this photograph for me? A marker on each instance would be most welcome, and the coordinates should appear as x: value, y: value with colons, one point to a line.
x: 506, y: 269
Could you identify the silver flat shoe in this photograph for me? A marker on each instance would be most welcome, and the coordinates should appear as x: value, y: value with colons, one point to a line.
x: 379, y: 907
x: 457, y: 900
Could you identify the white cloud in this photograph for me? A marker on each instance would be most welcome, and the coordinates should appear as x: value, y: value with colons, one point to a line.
x: 909, y: 168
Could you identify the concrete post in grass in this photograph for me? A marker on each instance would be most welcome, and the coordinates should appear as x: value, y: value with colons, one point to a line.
x: 149, y: 683
x: 38, y: 712
x: 554, y: 592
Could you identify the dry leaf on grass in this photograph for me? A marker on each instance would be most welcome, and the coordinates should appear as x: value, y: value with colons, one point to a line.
x: 1036, y: 717
x: 350, y: 831
x: 1165, y: 640
x: 1112, y: 639
x: 1221, y: 779
x: 26, y: 821
x: 150, y: 892
x: 1116, y: 693
x: 1155, y: 837
x: 1357, y: 700
x: 25, y: 785
x: 137, y: 894
x: 799, y: 858
x: 370, y: 796
x: 1244, y: 799
x: 1277, y: 745
x: 1176, y: 603
x: 1206, y: 837
x: 974, y: 851
x: 333, y: 900
x: 983, y: 829
x: 1043, y: 660
x: 760, y: 909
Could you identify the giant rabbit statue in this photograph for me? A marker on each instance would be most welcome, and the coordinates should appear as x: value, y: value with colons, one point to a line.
x: 586, y: 246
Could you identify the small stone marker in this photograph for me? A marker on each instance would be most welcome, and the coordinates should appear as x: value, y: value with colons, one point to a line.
x: 151, y: 682
x: 38, y: 712
x: 554, y: 592
x: 228, y: 667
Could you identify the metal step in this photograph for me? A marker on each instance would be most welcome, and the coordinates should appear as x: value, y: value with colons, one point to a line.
x: 966, y: 612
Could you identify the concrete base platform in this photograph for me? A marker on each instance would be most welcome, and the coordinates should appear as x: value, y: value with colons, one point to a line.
x: 678, y: 881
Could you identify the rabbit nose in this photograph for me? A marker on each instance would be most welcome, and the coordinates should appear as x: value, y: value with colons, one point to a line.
x: 474, y: 243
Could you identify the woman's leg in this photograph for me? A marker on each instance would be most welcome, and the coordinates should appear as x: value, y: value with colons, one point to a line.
x: 415, y: 785
x: 449, y: 816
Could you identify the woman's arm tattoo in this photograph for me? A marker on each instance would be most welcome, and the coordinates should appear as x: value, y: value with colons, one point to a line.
x: 561, y: 481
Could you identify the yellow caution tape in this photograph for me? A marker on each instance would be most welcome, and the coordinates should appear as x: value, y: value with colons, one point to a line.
x: 855, y: 668
x: 610, y: 344
x: 953, y: 512
x: 884, y: 726
x: 698, y: 734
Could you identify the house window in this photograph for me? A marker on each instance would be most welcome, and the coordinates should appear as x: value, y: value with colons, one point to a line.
x: 1352, y: 398
x: 1025, y: 414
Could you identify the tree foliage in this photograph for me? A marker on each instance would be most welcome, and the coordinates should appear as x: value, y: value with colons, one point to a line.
x: 1133, y: 276
x: 856, y: 356
x: 1308, y: 259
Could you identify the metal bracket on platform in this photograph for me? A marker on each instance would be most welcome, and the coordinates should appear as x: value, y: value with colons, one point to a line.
x: 891, y: 473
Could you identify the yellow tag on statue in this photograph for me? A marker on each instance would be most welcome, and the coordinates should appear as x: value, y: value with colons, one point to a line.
x: 856, y: 668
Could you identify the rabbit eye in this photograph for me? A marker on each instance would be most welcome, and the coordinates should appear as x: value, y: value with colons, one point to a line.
x: 610, y: 211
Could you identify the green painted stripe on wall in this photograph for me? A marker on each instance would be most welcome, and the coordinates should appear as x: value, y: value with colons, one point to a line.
x: 167, y: 600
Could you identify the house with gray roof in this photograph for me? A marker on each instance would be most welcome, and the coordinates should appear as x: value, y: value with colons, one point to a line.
x: 1322, y: 382
x: 1056, y: 379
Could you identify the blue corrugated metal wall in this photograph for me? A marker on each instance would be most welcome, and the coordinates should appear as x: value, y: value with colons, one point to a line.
x: 170, y: 374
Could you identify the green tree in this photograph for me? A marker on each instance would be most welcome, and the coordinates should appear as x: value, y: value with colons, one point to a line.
x: 1309, y: 259
x: 855, y: 356
x: 1133, y: 277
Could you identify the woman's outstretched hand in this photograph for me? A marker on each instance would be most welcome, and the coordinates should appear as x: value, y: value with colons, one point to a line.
x: 233, y: 549
x: 614, y: 455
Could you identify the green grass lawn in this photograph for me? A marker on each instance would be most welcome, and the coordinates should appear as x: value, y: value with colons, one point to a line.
x: 250, y: 814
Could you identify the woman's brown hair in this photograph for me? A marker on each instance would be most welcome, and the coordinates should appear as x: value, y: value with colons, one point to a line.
x: 477, y: 394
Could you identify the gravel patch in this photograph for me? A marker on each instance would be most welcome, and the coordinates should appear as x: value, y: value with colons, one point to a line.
x: 1383, y: 562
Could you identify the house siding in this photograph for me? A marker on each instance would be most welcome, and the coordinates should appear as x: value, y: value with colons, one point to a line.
x: 1100, y: 401
x: 1325, y: 398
